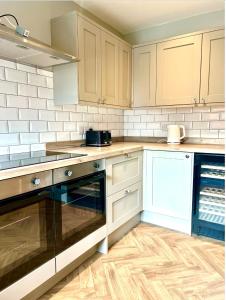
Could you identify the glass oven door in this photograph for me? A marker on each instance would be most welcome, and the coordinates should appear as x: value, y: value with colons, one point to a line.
x: 26, y: 234
x: 80, y: 208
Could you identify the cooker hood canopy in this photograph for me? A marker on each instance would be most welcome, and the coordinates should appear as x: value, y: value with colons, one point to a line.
x: 30, y: 51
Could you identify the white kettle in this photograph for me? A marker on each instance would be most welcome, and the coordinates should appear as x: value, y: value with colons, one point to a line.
x: 175, y: 134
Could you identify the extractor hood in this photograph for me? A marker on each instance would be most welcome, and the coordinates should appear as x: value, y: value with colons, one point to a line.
x: 30, y: 51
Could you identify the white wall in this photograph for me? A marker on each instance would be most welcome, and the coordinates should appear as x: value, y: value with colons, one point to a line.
x: 196, y: 23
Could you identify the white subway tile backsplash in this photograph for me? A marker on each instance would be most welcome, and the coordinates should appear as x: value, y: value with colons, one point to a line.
x: 19, y: 149
x: 7, y: 87
x: 46, y: 115
x: 17, y: 101
x: 45, y: 93
x: 210, y: 116
x: 62, y: 116
x: 46, y: 137
x: 7, y: 64
x: 8, y: 113
x: 18, y: 126
x: 15, y: 75
x: 38, y: 126
x: 27, y: 90
x: 26, y: 68
x: 37, y: 80
x: 2, y: 73
x: 29, y: 117
x: 4, y: 127
x: 29, y: 138
x: 55, y: 126
x: 37, y: 103
x: 4, y: 150
x: 217, y: 125
x: 2, y: 100
x: 9, y: 139
x: 28, y: 114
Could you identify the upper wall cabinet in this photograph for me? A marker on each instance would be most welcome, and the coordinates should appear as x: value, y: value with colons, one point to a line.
x: 109, y: 69
x: 89, y: 37
x: 144, y: 76
x: 212, y: 75
x: 124, y: 75
x: 178, y: 71
x: 104, y: 70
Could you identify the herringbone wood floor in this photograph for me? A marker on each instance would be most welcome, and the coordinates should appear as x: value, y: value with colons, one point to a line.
x: 149, y: 263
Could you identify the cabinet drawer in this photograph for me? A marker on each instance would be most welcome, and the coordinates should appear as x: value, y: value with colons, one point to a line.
x: 122, y: 171
x: 124, y: 205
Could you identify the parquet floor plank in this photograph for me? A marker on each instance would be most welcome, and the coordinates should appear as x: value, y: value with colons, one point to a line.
x: 149, y: 263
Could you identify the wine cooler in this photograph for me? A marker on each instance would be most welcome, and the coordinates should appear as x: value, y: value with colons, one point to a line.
x: 209, y: 196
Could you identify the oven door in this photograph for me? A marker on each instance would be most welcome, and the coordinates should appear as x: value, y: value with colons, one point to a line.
x: 80, y: 209
x: 26, y: 234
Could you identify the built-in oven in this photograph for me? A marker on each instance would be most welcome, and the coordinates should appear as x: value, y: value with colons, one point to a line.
x: 26, y: 225
x: 79, y: 196
x: 43, y: 214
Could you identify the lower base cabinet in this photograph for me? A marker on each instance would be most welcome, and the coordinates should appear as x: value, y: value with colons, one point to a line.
x: 168, y: 184
x: 123, y: 205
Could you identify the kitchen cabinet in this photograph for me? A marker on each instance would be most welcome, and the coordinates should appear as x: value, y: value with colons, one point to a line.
x: 212, y: 73
x: 109, y: 69
x: 89, y: 37
x: 144, y: 76
x: 123, y: 205
x: 124, y: 75
x: 123, y: 171
x: 168, y: 181
x: 178, y: 71
x: 103, y: 74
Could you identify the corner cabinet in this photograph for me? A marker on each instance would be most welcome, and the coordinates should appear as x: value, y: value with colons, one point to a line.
x: 104, y: 67
x: 212, y: 75
x: 168, y: 184
x: 178, y: 71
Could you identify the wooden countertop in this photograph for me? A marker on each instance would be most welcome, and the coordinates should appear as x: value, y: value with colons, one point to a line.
x: 94, y: 153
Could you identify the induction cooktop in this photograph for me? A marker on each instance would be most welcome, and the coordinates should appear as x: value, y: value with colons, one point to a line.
x: 15, y: 160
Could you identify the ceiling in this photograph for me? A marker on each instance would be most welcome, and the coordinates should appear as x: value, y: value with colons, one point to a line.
x: 132, y: 15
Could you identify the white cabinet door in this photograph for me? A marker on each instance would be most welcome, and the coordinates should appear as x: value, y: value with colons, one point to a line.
x: 168, y: 181
x: 89, y: 37
x: 144, y: 76
x: 178, y: 71
x: 123, y: 206
x: 212, y: 75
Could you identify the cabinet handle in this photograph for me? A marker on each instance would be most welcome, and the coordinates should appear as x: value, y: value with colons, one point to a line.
x: 187, y: 156
x: 203, y: 101
x: 127, y: 155
x: 36, y: 181
x: 103, y: 101
x: 195, y: 100
x: 128, y: 192
x: 68, y: 173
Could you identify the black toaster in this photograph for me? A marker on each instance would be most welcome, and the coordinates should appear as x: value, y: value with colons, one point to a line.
x: 98, y: 138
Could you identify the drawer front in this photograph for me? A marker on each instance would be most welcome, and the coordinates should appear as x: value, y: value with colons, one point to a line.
x: 122, y: 171
x: 124, y: 205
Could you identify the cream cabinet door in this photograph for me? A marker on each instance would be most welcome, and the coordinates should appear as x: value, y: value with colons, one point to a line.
x: 124, y: 75
x: 178, y: 71
x: 212, y: 75
x: 123, y: 206
x: 109, y: 69
x: 144, y: 76
x: 123, y: 170
x: 90, y: 61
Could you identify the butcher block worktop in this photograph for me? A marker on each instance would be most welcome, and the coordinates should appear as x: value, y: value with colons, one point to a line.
x: 94, y: 153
